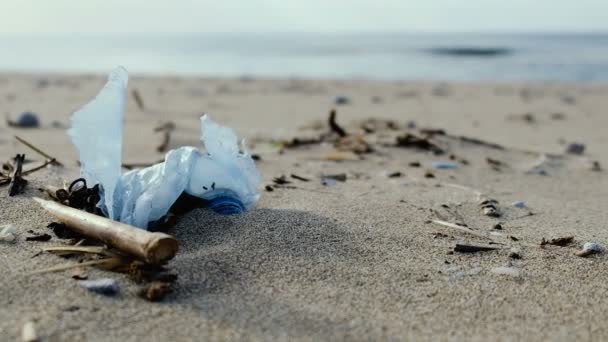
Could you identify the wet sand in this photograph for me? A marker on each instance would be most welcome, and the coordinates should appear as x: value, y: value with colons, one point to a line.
x: 357, y: 260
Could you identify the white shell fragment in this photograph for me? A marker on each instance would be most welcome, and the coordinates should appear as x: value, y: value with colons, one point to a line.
x: 223, y: 176
x: 7, y: 233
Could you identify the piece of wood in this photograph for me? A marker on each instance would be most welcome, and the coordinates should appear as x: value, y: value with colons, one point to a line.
x: 153, y: 248
x: 462, y: 248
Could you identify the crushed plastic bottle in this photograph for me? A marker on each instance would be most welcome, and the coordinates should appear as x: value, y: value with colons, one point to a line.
x: 223, y: 176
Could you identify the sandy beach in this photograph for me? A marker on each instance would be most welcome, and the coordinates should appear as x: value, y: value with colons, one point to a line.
x: 359, y: 259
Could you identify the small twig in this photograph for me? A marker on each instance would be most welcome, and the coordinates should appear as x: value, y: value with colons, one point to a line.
x: 39, y: 151
x: 462, y: 229
x: 17, y: 182
x: 462, y: 248
x: 334, y: 125
x: 138, y: 99
x: 76, y: 265
x: 46, y: 163
x: 166, y: 128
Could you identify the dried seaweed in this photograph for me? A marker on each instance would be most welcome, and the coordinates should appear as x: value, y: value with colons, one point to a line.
x: 412, y: 141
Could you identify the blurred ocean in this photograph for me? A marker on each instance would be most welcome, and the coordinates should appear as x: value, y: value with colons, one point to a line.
x: 538, y: 57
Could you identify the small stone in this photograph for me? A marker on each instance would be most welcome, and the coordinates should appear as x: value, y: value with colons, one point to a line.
x: 497, y: 226
x: 7, y: 233
x: 25, y: 120
x: 575, y: 148
x: 342, y: 100
x: 104, y: 286
x: 491, y: 211
x: 395, y: 174
x: 514, y: 253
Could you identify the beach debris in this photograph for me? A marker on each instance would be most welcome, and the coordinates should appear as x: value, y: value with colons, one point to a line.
x: 166, y: 128
x: 590, y: 248
x: 341, y: 156
x: 410, y: 140
x: 25, y: 120
x: 153, y: 248
x: 281, y: 180
x: 515, y: 253
x: 468, y: 248
x: 353, y: 143
x: 395, y: 174
x: 495, y: 164
x: 155, y: 291
x: 49, y: 159
x: 442, y: 165
x: 519, y: 204
x: 269, y: 188
x: 489, y: 207
x: 507, y: 270
x: 460, y: 228
x: 15, y: 181
x: 223, y: 176
x: 333, y: 125
x: 341, y: 100
x: 80, y: 274
x: 340, y: 177
x: 429, y: 174
x: 300, y: 178
x: 414, y: 164
x: 497, y: 226
x: 138, y: 99
x: 7, y: 233
x: 103, y: 286
x: 38, y: 237
x: 372, y: 125
x: 575, y: 148
x: 595, y: 166
x: 29, y: 333
x: 560, y: 241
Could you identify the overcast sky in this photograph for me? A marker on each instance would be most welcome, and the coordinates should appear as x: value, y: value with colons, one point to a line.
x: 100, y: 16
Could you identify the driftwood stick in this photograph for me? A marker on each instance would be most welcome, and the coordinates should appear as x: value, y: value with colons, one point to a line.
x: 153, y: 248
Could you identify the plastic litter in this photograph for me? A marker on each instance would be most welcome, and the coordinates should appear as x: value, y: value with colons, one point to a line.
x: 223, y: 176
x: 519, y: 204
x: 444, y: 165
x: 104, y: 286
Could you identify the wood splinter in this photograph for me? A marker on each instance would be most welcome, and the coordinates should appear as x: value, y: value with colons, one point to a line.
x: 153, y: 248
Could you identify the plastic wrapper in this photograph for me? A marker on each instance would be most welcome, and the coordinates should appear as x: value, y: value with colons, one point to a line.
x: 224, y: 175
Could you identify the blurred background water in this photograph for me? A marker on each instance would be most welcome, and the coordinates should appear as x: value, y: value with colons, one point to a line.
x: 385, y: 56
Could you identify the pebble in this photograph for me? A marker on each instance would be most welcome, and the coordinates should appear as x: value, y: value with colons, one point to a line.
x: 26, y: 120
x: 7, y: 233
x: 104, y: 286
x: 575, y: 148
x: 342, y: 100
